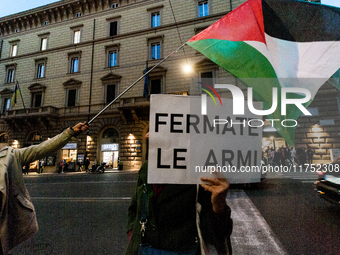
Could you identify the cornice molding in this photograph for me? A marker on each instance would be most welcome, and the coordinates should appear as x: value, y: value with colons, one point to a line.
x: 61, y: 11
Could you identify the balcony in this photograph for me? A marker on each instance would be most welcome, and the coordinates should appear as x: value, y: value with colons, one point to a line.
x: 34, y: 118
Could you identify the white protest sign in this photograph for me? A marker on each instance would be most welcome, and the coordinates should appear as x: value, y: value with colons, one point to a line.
x: 185, y: 145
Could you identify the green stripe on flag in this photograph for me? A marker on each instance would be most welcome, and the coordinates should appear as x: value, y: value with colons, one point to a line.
x: 238, y: 58
x: 254, y: 70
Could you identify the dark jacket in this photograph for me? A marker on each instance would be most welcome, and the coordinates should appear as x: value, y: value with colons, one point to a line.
x: 171, y: 218
x: 17, y: 216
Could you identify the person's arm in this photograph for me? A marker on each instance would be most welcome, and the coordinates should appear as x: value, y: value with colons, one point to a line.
x: 34, y: 152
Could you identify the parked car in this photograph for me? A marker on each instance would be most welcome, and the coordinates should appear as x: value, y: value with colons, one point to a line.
x: 328, y: 184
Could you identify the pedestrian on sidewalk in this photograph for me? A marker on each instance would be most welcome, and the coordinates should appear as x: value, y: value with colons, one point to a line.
x: 87, y: 163
x: 18, y: 217
x: 310, y: 154
x: 41, y: 166
x: 26, y: 168
x: 60, y: 166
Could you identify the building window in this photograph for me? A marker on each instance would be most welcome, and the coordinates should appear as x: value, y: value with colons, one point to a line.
x: 207, y: 77
x: 45, y: 23
x: 10, y: 74
x: 155, y: 47
x: 207, y: 72
x: 112, y: 55
x: 14, y: 50
x: 155, y: 50
x: 203, y: 8
x: 71, y: 97
x: 74, y: 62
x: 43, y: 41
x: 41, y: 70
x: 4, y: 138
x: 155, y: 15
x: 157, y: 78
x: 110, y: 92
x: 37, y: 91
x: 76, y: 37
x: 112, y: 58
x: 78, y: 14
x: 36, y: 99
x: 110, y: 86
x: 115, y: 5
x: 76, y: 33
x: 16, y: 30
x: 72, y: 87
x: 43, y: 45
x: 313, y: 110
x: 74, y: 65
x: 155, y: 19
x: 113, y: 25
x: 6, y: 104
x: 113, y: 28
x: 156, y: 85
x: 34, y: 137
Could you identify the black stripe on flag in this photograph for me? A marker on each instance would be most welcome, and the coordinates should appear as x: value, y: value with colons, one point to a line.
x: 301, y: 21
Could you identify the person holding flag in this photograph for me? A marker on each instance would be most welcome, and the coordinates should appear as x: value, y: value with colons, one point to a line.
x: 18, y: 216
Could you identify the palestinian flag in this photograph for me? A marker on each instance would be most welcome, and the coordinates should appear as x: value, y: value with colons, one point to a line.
x: 288, y: 43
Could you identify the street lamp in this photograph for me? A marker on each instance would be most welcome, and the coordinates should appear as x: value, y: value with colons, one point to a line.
x: 187, y: 68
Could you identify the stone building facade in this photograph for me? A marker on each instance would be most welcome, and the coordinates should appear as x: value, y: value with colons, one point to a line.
x: 321, y: 130
x: 72, y: 57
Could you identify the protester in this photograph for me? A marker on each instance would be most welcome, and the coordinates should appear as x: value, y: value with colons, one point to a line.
x: 87, y: 163
x: 171, y: 216
x: 272, y: 154
x: 26, y: 168
x: 303, y: 156
x: 310, y: 154
x: 292, y: 154
x: 41, y: 166
x: 60, y: 166
x: 283, y: 156
x: 18, y: 218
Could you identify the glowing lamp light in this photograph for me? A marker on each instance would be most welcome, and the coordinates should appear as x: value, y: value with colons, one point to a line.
x: 316, y: 128
x: 187, y: 68
x: 15, y: 144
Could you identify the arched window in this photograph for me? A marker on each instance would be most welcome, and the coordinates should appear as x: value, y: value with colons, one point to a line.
x: 3, y: 138
x: 34, y: 137
x: 110, y: 133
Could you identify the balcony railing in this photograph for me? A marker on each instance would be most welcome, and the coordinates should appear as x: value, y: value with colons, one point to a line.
x: 50, y: 111
x: 29, y: 112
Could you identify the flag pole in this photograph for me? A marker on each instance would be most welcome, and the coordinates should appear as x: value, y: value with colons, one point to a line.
x: 133, y: 84
x: 21, y: 96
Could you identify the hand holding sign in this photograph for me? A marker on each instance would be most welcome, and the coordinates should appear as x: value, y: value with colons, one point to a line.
x: 219, y: 188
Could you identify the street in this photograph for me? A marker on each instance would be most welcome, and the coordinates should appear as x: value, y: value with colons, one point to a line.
x: 81, y: 213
